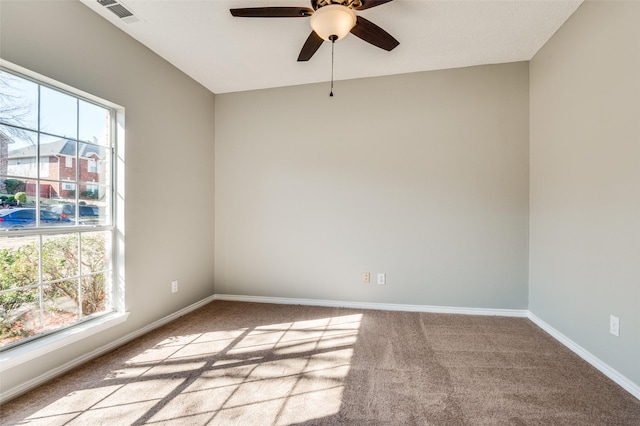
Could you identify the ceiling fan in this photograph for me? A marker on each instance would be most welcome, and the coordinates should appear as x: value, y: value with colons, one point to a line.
x: 330, y: 20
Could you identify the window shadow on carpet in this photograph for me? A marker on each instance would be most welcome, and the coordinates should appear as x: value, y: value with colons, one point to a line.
x: 231, y: 363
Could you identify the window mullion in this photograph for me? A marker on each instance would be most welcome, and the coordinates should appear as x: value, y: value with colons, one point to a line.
x: 38, y: 126
x: 77, y: 207
x: 77, y: 193
x: 80, y: 295
x: 37, y: 195
x: 40, y: 286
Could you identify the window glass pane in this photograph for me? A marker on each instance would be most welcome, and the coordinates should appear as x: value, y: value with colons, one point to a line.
x: 8, y: 188
x: 16, y: 192
x: 95, y: 213
x: 57, y: 158
x: 18, y: 261
x: 69, y: 187
x: 18, y: 150
x: 94, y: 161
x: 17, y: 217
x: 55, y: 192
x: 49, y: 218
x: 44, y: 167
x: 93, y: 193
x: 94, y: 206
x: 95, y: 252
x: 90, y: 214
x: 94, y: 123
x: 60, y: 304
x: 18, y: 270
x: 18, y: 101
x: 59, y: 256
x: 47, y: 215
x: 30, y: 189
x: 24, y: 214
x: 65, y: 209
x: 19, y: 322
x: 58, y: 113
x: 93, y: 293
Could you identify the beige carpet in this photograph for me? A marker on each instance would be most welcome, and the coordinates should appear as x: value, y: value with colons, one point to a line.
x: 232, y: 363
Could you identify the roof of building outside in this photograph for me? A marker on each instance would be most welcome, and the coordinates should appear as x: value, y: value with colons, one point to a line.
x: 62, y: 147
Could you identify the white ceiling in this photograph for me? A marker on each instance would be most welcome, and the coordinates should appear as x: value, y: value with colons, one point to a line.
x: 227, y: 54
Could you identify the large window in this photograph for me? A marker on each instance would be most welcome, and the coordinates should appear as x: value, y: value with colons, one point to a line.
x: 56, y: 208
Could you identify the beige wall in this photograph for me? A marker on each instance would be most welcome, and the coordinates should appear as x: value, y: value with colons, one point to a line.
x: 585, y: 182
x: 423, y: 177
x: 169, y: 157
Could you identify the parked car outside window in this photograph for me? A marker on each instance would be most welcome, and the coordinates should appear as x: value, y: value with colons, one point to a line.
x: 24, y: 217
x: 89, y: 215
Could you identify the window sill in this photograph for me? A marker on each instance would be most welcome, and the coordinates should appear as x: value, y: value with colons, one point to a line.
x: 29, y: 351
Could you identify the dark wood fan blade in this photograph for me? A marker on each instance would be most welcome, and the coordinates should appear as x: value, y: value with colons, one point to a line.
x: 272, y: 12
x: 371, y: 33
x: 313, y: 43
x: 368, y: 4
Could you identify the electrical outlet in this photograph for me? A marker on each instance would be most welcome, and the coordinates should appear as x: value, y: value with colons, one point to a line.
x: 382, y: 279
x: 366, y: 277
x: 174, y: 286
x: 614, y: 325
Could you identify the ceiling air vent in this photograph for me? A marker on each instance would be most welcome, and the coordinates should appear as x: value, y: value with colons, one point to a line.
x: 118, y: 9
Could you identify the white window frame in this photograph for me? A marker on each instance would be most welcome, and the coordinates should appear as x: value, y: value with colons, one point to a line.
x: 68, y: 162
x: 44, y: 344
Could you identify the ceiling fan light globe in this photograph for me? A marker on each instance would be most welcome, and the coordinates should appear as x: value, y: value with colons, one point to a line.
x: 333, y: 20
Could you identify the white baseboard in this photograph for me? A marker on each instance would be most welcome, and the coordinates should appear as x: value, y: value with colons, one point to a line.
x: 611, y: 373
x: 522, y: 313
x: 37, y: 381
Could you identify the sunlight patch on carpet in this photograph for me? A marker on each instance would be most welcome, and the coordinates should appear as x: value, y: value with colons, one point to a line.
x: 273, y: 374
x: 281, y: 373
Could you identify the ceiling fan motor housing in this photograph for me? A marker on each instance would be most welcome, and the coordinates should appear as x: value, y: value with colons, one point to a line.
x: 354, y: 4
x: 333, y: 20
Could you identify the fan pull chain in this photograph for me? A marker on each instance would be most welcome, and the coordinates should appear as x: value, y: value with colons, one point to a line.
x: 333, y: 45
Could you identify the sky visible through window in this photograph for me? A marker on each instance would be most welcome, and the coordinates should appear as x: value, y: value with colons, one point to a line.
x: 62, y: 115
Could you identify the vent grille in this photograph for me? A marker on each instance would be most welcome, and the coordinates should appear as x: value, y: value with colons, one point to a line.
x: 119, y: 10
